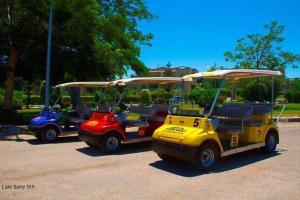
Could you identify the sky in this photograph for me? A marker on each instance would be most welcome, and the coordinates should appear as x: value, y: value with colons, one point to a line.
x: 196, y: 33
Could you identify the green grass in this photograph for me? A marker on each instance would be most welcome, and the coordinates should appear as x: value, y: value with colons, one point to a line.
x: 287, y: 113
x: 30, y: 113
x: 133, y: 116
x: 291, y: 110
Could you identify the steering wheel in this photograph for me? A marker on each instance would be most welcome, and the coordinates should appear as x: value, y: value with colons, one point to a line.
x: 123, y: 107
x: 56, y: 108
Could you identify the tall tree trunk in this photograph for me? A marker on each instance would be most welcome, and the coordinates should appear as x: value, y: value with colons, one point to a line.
x: 10, y: 78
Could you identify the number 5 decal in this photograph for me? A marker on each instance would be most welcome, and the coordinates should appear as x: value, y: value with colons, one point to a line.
x: 196, y: 122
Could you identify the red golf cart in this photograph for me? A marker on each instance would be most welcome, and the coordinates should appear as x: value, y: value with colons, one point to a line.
x: 109, y: 127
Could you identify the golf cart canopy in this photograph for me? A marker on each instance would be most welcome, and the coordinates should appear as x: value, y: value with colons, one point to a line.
x: 83, y: 84
x: 149, y: 80
x: 234, y: 74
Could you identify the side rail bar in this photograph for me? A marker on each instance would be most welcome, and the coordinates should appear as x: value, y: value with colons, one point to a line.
x: 281, y: 112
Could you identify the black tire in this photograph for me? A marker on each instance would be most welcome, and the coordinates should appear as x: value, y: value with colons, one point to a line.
x: 111, y: 143
x: 207, y: 157
x: 270, y: 142
x: 91, y: 145
x: 165, y: 157
x: 49, y: 134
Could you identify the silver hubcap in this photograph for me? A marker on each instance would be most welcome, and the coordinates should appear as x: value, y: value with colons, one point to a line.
x: 271, y: 142
x: 112, y: 143
x: 51, y: 134
x: 207, y: 157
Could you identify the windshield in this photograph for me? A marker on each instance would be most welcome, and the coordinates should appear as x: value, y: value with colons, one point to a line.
x: 198, y: 101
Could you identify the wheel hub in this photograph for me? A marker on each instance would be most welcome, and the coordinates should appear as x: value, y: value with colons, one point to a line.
x: 112, y: 143
x: 51, y: 134
x: 207, y: 157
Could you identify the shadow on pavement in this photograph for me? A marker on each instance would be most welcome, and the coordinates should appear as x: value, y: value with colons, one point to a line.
x: 60, y: 140
x: 183, y: 168
x: 125, y: 149
x: 13, y: 138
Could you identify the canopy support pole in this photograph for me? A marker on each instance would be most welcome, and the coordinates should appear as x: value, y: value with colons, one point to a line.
x: 272, y: 98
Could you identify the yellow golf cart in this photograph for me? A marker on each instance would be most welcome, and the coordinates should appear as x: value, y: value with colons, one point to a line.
x: 203, y: 134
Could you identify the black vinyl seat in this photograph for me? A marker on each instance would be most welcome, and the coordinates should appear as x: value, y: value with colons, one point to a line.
x: 74, y: 117
x: 258, y: 109
x: 235, y: 117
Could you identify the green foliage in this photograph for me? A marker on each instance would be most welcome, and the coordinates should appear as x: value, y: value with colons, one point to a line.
x: 161, y: 96
x: 203, y: 95
x: 260, y: 89
x: 18, y: 97
x: 261, y: 51
x: 92, y: 40
x: 42, y: 92
x: 2, y: 92
x: 132, y: 98
x: 35, y: 100
x: 293, y: 93
x: 146, y: 97
x: 97, y: 96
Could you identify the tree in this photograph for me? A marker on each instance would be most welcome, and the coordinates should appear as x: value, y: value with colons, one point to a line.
x: 293, y: 93
x: 20, y: 25
x: 146, y: 98
x: 261, y: 51
x: 92, y: 40
x: 203, y: 95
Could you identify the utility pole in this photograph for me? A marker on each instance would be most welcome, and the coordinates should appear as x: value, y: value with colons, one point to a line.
x: 48, y: 56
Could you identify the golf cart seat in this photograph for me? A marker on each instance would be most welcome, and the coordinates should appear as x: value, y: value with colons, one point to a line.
x: 74, y: 117
x: 79, y: 115
x: 235, y: 117
x: 258, y: 109
x: 122, y: 119
x: 135, y: 123
x: 157, y: 112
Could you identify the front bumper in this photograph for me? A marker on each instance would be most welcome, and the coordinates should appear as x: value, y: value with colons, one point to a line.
x: 175, y: 150
x: 89, y: 137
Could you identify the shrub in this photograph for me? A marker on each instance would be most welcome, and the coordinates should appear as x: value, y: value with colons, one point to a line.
x: 161, y: 96
x: 146, y: 97
x: 2, y: 92
x: 132, y: 98
x: 293, y: 96
x: 34, y: 99
x: 202, y: 96
x: 18, y: 98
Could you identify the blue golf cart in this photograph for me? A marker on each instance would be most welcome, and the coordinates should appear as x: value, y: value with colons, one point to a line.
x: 55, y: 121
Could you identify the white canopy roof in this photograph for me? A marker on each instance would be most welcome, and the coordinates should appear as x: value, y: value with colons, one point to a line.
x: 83, y: 84
x: 235, y: 74
x: 149, y: 80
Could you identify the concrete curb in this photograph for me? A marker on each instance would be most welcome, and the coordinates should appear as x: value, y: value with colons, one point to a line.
x: 289, y: 119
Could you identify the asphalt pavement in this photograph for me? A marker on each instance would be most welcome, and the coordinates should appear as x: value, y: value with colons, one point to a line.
x: 71, y: 170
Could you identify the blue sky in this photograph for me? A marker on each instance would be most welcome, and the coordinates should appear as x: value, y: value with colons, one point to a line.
x: 196, y: 33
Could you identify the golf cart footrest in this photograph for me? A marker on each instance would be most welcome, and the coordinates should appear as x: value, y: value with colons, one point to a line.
x: 229, y: 130
x: 135, y: 123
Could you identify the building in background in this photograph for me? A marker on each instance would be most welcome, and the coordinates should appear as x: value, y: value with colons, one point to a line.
x: 172, y: 71
x: 175, y: 71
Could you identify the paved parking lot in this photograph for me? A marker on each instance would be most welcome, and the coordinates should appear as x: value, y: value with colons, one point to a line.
x: 70, y: 170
